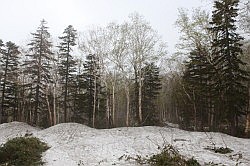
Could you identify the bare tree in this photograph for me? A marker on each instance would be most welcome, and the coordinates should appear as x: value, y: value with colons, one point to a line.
x: 117, y: 54
x: 144, y: 46
x: 92, y: 43
x: 245, y: 17
x: 123, y: 50
x: 244, y: 22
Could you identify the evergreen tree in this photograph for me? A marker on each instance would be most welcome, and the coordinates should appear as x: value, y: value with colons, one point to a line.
x: 93, y: 95
x: 67, y: 67
x: 150, y: 90
x: 79, y: 115
x: 9, y: 82
x: 226, y: 49
x: 91, y: 76
x: 1, y: 72
x: 198, y: 87
x: 38, y: 66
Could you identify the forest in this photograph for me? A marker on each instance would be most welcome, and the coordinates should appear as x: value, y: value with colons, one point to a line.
x: 121, y: 74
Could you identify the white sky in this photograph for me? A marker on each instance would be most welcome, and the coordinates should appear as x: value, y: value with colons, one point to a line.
x: 21, y: 17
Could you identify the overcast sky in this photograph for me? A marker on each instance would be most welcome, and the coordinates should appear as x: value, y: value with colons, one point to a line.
x: 21, y: 17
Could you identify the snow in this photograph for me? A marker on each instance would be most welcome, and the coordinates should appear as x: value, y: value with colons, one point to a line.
x: 74, y: 144
x: 15, y: 129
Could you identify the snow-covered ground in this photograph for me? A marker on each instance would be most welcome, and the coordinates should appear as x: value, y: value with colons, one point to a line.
x: 78, y: 145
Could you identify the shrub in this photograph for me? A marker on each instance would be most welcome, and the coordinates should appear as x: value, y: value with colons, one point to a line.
x: 171, y: 157
x: 220, y: 150
x: 22, y: 151
x: 192, y: 162
x: 223, y: 150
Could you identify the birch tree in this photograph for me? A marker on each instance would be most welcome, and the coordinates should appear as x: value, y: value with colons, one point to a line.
x: 117, y: 55
x: 92, y: 45
x: 144, y: 46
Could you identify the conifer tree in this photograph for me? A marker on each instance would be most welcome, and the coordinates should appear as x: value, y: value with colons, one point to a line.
x: 226, y: 49
x: 1, y: 72
x: 150, y: 90
x: 198, y: 85
x: 38, y: 66
x: 67, y: 67
x: 93, y: 95
x: 79, y: 114
x: 9, y: 86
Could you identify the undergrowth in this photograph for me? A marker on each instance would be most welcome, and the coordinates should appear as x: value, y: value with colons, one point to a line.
x: 169, y: 156
x: 221, y: 150
x: 216, y: 149
x: 22, y: 151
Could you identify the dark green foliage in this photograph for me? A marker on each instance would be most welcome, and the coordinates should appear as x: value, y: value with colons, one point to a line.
x: 214, y: 82
x: 171, y: 157
x: 37, y: 67
x: 9, y: 82
x: 22, y: 151
x: 1, y: 72
x: 197, y: 84
x: 94, y: 95
x: 192, y: 162
x: 165, y: 159
x: 231, y: 80
x: 222, y: 150
x: 67, y: 67
x: 79, y: 114
x: 91, y: 77
x: 150, y: 90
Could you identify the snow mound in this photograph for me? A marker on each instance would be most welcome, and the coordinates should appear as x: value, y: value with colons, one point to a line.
x: 64, y: 132
x: 15, y: 129
x: 74, y: 144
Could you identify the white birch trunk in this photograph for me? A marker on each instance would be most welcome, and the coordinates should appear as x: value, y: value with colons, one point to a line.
x: 128, y: 104
x: 140, y: 96
x: 54, y: 105
x: 49, y: 110
x: 94, y: 104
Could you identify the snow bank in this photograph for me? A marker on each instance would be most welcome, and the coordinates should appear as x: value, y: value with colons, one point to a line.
x: 15, y: 129
x: 74, y: 144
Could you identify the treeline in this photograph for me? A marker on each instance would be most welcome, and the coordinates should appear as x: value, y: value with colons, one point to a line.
x: 212, y: 92
x: 108, y: 77
x: 120, y: 75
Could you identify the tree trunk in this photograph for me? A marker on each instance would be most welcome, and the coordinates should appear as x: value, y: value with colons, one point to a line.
x: 94, y: 103
x: 65, y: 104
x: 37, y: 102
x: 98, y: 108
x: 113, y: 103
x: 177, y: 114
x: 128, y: 104
x: 247, y: 129
x: 49, y: 110
x: 195, y: 112
x: 212, y: 125
x: 107, y: 112
x: 140, y: 97
x: 54, y: 105
x: 22, y: 102
x: 4, y: 84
